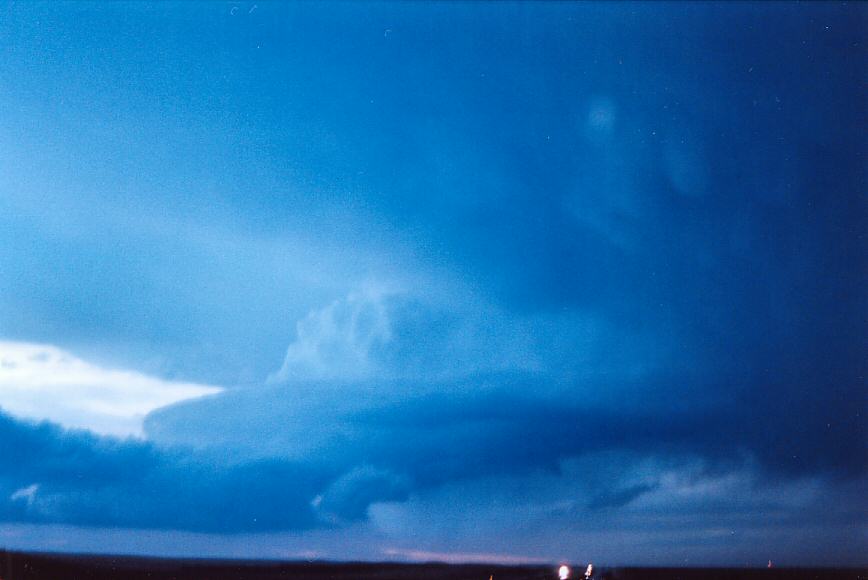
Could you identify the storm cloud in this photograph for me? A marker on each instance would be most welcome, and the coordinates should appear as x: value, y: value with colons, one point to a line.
x: 544, y: 265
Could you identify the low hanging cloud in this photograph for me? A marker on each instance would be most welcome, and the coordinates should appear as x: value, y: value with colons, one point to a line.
x: 349, y: 497
x: 561, y: 512
x: 136, y: 484
x: 40, y: 381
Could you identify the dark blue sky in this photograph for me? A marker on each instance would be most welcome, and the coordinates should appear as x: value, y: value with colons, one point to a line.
x: 418, y: 280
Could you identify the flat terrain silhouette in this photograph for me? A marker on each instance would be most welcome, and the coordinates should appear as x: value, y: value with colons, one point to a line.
x: 26, y: 566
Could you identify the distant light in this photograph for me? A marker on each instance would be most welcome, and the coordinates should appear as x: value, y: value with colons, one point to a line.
x: 564, y: 572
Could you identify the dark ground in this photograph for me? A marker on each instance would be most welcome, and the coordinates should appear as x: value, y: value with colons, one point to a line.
x: 22, y: 566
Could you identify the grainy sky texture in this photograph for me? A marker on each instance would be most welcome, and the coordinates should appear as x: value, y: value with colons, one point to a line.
x: 459, y: 281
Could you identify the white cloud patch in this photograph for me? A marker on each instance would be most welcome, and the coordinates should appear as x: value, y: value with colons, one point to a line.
x: 336, y: 341
x: 40, y: 382
x: 26, y: 494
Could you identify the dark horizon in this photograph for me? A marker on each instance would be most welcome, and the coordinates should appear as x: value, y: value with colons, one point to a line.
x: 44, y: 565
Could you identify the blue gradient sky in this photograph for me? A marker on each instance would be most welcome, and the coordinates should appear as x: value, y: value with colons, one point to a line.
x: 435, y: 281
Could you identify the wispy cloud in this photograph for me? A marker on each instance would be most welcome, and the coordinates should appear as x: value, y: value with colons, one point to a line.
x: 27, y: 494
